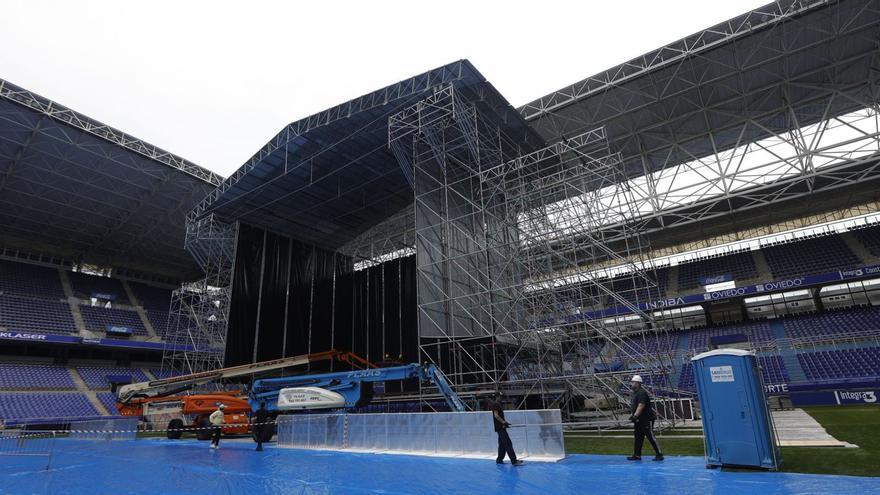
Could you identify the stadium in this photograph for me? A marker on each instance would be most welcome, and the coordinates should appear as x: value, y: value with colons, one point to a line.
x: 380, y: 275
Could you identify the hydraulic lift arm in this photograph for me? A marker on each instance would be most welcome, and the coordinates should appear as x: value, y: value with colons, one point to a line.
x: 172, y: 385
x: 344, y: 390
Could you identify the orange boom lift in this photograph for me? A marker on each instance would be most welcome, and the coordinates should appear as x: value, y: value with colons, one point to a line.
x: 161, y: 397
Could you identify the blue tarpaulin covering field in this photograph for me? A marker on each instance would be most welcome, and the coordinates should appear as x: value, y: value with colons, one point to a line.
x: 154, y: 466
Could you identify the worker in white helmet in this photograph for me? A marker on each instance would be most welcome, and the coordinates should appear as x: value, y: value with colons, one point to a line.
x: 642, y: 415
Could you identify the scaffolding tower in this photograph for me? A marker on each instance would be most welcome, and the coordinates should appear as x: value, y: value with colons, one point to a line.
x: 196, y: 337
x: 513, y: 252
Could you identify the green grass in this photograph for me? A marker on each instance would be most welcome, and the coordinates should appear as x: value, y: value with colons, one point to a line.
x: 854, y: 424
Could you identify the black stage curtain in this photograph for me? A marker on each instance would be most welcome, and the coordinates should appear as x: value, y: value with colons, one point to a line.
x: 325, y: 303
x: 270, y: 337
x: 245, y: 295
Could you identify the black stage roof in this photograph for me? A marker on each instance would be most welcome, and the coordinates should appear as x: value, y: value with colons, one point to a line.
x: 331, y: 176
x: 77, y: 189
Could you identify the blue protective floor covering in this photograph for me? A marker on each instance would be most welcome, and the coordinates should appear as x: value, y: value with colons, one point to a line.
x: 189, y: 467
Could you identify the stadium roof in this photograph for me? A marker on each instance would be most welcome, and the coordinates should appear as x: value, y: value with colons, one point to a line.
x: 773, y: 106
x: 78, y: 189
x: 329, y: 177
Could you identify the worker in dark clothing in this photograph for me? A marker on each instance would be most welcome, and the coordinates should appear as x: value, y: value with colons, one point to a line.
x: 505, y: 446
x: 642, y: 415
x: 261, y: 426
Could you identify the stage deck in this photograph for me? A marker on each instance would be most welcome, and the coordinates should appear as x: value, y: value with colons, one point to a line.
x: 152, y: 466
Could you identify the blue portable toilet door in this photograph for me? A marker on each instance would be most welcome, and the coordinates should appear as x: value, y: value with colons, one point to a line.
x: 732, y: 427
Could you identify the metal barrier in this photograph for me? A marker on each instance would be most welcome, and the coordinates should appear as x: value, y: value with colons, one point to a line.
x: 28, y: 443
x: 104, y: 429
x: 537, y: 434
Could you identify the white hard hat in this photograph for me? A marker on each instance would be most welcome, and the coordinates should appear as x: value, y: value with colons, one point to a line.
x: 637, y: 378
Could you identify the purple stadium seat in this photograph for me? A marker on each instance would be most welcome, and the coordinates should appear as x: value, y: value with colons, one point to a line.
x: 151, y: 297
x: 35, y: 405
x: 833, y: 323
x: 30, y: 280
x: 870, y: 237
x: 740, y: 265
x: 841, y: 364
x: 96, y: 376
x: 84, y: 285
x: 773, y: 372
x: 36, y: 315
x: 814, y: 255
x: 97, y: 318
x: 758, y: 332
x: 15, y: 376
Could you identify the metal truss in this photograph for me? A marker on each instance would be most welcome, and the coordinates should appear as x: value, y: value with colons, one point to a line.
x: 198, y: 319
x: 772, y: 106
x: 76, y: 188
x: 393, y: 238
x: 80, y: 122
x: 395, y: 93
x: 492, y: 229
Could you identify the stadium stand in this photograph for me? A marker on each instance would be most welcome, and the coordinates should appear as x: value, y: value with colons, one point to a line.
x: 841, y: 364
x: 98, y: 318
x: 740, y: 265
x: 160, y: 373
x: 15, y: 376
x: 833, y: 323
x: 634, y: 290
x: 813, y: 255
x: 150, y: 297
x: 28, y: 405
x: 84, y: 286
x: 654, y: 343
x: 95, y: 377
x: 27, y: 314
x: 772, y: 370
x: 30, y: 280
x: 108, y: 400
x: 159, y: 320
x: 758, y: 333
x: 870, y: 237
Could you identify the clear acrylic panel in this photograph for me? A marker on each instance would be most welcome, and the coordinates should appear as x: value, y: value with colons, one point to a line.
x: 538, y: 433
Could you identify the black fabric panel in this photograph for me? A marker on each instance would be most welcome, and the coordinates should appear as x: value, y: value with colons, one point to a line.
x: 344, y: 290
x: 371, y: 312
x: 376, y: 316
x: 322, y: 308
x: 299, y: 302
x: 359, y: 316
x: 245, y: 295
x: 391, y: 302
x: 409, y: 311
x: 273, y: 299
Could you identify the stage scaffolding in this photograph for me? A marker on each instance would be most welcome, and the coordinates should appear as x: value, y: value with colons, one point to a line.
x: 196, y: 338
x: 512, y: 252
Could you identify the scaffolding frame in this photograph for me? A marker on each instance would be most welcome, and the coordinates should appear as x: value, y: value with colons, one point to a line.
x: 510, y: 255
x: 199, y: 314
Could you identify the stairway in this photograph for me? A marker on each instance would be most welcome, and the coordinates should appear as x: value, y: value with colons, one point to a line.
x: 764, y: 272
x: 858, y: 248
x: 74, y: 304
x: 672, y: 280
x: 136, y: 305
x: 788, y: 354
x: 91, y: 394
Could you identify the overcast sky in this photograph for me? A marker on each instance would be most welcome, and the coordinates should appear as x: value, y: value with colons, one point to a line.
x: 214, y: 81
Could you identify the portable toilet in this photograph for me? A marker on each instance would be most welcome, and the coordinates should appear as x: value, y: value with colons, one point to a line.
x: 737, y: 426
